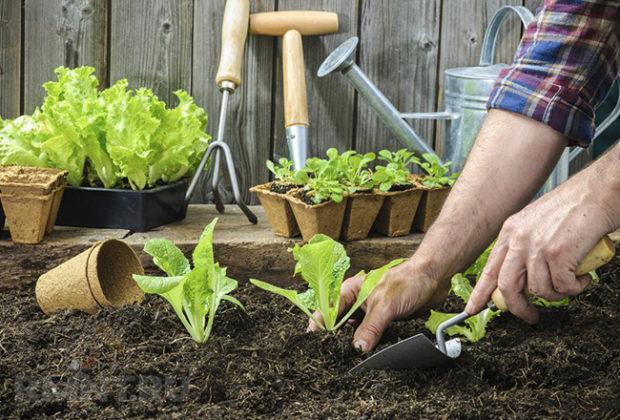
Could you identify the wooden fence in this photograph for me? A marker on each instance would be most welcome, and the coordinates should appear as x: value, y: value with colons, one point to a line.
x: 405, y: 45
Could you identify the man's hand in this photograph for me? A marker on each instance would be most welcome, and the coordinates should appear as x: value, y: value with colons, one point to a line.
x: 539, y: 248
x: 404, y: 291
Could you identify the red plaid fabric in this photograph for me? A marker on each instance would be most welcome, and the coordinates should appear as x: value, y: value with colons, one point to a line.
x: 564, y: 67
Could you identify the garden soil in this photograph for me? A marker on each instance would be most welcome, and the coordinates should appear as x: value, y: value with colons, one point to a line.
x: 137, y: 361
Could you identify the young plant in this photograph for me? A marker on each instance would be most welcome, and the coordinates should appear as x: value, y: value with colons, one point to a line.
x: 194, y: 293
x: 396, y: 171
x: 436, y: 173
x: 323, y: 263
x: 321, y: 181
x: 474, y: 328
x: 354, y: 172
x: 283, y: 171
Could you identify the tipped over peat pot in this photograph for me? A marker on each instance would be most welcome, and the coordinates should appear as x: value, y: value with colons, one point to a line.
x: 361, y: 212
x: 399, y: 208
x: 123, y: 209
x: 325, y: 218
x: 430, y: 206
x: 278, y: 210
x: 97, y: 278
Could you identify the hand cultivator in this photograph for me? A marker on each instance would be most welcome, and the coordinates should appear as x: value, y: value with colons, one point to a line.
x: 228, y: 79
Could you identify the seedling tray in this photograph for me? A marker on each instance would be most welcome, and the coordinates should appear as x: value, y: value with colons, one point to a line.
x: 123, y: 209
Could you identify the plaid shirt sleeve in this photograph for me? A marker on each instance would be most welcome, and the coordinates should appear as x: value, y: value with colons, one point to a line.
x: 564, y: 67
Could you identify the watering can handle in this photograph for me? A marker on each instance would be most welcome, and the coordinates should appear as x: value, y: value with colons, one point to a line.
x: 490, y: 36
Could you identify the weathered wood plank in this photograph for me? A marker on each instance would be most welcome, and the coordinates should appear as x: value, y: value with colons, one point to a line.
x: 463, y: 24
x: 67, y: 33
x: 249, y: 112
x: 10, y: 58
x: 399, y: 52
x: 331, y: 102
x: 151, y: 45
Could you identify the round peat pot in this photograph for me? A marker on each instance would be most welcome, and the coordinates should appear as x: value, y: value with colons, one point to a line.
x: 99, y: 277
x: 278, y: 210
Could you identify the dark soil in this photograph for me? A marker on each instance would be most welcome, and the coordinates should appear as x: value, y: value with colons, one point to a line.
x: 307, y: 198
x: 280, y: 188
x: 400, y: 187
x: 139, y: 362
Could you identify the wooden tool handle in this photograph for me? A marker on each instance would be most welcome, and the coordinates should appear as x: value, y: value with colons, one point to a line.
x: 295, y: 95
x: 598, y: 256
x: 234, y: 33
x: 305, y: 22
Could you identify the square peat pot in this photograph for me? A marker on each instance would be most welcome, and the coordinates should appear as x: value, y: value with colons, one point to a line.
x: 123, y: 209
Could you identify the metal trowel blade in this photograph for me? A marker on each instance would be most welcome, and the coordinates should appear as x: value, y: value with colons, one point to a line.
x: 417, y: 352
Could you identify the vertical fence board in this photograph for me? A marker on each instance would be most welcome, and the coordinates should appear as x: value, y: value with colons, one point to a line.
x: 10, y: 57
x: 67, y: 33
x: 399, y: 53
x: 151, y: 45
x: 462, y: 31
x: 331, y: 99
x: 248, y: 126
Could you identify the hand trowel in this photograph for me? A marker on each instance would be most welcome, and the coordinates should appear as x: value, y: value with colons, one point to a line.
x: 419, y: 352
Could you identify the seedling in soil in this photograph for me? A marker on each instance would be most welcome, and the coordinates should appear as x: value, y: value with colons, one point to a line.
x: 323, y: 263
x: 284, y: 175
x: 322, y: 183
x: 195, y: 294
x: 395, y: 175
x: 353, y: 169
x: 474, y: 327
x: 436, y: 173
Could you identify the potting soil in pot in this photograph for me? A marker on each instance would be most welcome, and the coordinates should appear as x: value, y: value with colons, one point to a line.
x: 139, y: 361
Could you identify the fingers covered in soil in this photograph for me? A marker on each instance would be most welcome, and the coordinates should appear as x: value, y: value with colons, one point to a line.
x: 139, y: 361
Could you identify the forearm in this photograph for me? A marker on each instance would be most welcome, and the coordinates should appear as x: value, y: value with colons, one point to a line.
x: 510, y: 161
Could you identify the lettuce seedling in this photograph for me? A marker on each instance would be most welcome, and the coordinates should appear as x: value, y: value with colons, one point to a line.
x: 436, y: 173
x: 323, y: 263
x: 321, y: 180
x: 396, y: 171
x: 194, y: 293
x: 283, y: 171
x: 474, y: 328
x: 353, y: 170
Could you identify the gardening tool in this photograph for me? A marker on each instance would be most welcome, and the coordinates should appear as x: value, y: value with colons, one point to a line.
x: 418, y: 352
x: 291, y: 26
x: 466, y: 92
x: 228, y: 79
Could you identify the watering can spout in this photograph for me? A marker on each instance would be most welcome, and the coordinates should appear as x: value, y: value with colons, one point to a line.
x: 342, y: 60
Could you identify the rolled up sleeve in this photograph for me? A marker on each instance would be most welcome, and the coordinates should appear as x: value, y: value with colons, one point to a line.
x: 564, y: 67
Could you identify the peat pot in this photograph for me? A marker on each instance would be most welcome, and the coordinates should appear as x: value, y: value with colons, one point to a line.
x: 360, y: 215
x: 430, y: 206
x: 325, y: 218
x: 278, y: 210
x: 399, y: 208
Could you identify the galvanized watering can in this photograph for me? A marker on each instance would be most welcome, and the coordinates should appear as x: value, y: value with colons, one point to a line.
x: 467, y: 91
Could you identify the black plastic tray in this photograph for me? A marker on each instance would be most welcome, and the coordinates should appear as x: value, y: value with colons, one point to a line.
x: 122, y: 209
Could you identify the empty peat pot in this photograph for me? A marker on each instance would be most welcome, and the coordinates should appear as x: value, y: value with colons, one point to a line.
x: 97, y: 278
x: 31, y: 198
x: 278, y: 211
